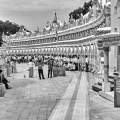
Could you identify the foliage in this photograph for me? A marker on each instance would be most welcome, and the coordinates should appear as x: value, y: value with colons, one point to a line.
x: 81, y: 10
x: 9, y: 28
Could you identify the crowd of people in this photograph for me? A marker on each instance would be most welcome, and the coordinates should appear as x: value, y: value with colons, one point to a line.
x: 40, y: 61
x: 69, y: 63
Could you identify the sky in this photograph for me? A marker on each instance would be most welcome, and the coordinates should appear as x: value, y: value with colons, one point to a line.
x: 33, y: 13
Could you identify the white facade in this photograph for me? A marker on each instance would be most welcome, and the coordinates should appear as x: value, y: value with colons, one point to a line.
x: 115, y: 27
x: 113, y: 59
x: 115, y: 15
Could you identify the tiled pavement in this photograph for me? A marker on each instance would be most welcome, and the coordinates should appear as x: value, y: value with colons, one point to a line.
x: 60, y: 98
x: 101, y: 108
x: 74, y: 104
x: 32, y: 99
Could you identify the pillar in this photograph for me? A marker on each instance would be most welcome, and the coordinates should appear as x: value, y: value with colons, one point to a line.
x: 94, y: 57
x: 90, y: 50
x: 106, y: 84
x: 90, y: 55
x: 82, y: 56
x: 118, y: 59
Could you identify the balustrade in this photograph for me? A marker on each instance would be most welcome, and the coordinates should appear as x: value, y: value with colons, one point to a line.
x: 71, y: 36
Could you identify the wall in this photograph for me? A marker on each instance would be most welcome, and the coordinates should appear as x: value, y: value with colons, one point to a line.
x: 115, y: 15
x: 112, y: 59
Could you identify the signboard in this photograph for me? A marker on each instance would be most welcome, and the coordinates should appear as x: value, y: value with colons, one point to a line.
x: 117, y: 92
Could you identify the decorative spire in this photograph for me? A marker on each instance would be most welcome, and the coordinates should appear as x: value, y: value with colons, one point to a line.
x: 55, y: 18
x: 37, y: 29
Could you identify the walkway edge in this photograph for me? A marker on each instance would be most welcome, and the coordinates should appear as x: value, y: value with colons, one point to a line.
x: 61, y: 108
x: 106, y: 96
x: 81, y: 108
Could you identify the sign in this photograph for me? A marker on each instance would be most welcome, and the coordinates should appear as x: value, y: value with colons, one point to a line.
x: 117, y: 92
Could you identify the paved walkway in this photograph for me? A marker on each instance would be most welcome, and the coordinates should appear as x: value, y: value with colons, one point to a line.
x: 101, y: 108
x: 74, y: 104
x: 60, y: 98
x: 32, y: 99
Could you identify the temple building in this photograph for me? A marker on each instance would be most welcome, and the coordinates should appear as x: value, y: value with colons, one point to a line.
x: 95, y: 34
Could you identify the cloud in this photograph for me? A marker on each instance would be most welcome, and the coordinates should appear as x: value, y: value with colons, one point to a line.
x: 26, y: 5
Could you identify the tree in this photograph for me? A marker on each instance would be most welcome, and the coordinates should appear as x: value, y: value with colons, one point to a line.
x: 8, y: 28
x: 1, y: 41
x: 86, y: 6
x: 77, y: 12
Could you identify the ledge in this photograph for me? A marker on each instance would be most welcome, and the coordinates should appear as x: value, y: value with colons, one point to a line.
x: 107, y: 95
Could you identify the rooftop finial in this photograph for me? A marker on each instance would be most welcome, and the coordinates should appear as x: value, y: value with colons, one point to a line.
x: 55, y: 18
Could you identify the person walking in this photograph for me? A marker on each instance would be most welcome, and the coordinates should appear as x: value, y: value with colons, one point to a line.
x: 50, y: 67
x: 12, y: 66
x: 30, y: 69
x: 40, y: 68
x: 8, y: 68
x: 87, y: 64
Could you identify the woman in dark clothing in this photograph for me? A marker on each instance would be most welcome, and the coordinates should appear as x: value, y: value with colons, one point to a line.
x: 87, y: 64
x: 4, y: 80
x: 40, y: 69
x: 50, y: 67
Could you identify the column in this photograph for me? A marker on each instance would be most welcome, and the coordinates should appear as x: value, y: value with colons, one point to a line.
x: 94, y: 56
x: 81, y: 55
x: 106, y: 84
x: 96, y: 59
x: 82, y: 60
x: 90, y: 50
x: 118, y: 59
x: 84, y: 54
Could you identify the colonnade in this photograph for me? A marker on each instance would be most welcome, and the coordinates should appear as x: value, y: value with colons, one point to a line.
x: 109, y: 44
x: 79, y: 51
x: 89, y: 49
